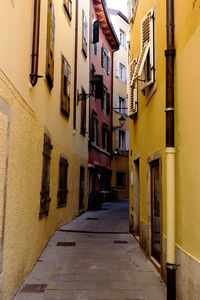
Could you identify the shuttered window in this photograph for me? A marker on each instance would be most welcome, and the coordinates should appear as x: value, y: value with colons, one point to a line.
x: 95, y: 128
x: 133, y: 89
x: 105, y: 60
x: 62, y: 184
x: 145, y: 69
x: 45, y: 184
x: 95, y: 32
x: 107, y: 103
x: 65, y: 86
x: 84, y: 34
x: 83, y: 113
x: 68, y: 8
x: 50, y: 44
x: 105, y: 137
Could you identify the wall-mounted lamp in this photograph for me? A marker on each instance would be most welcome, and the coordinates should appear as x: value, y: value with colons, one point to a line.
x: 97, y: 89
x: 122, y: 121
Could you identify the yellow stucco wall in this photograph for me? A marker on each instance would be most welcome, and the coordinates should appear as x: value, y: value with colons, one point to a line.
x: 145, y: 136
x: 187, y: 80
x: 147, y: 132
x: 119, y: 163
x: 33, y: 110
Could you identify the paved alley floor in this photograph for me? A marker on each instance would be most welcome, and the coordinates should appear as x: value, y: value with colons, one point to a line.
x: 94, y: 258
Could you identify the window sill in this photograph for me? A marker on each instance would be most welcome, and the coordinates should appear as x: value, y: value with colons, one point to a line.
x: 93, y: 145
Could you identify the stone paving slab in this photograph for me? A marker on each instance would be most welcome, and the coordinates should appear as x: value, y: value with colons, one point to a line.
x: 106, y: 262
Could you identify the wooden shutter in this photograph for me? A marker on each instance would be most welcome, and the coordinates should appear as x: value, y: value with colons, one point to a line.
x: 108, y: 65
x: 117, y: 103
x: 127, y: 140
x: 65, y: 86
x: 50, y: 44
x: 102, y: 56
x: 62, y: 185
x: 97, y: 131
x: 96, y: 32
x: 83, y: 113
x: 45, y: 184
x: 107, y: 103
x: 108, y: 140
x: 147, y: 42
x: 117, y: 68
x: 103, y: 136
x: 84, y: 34
x: 133, y: 89
x: 117, y: 138
x: 140, y: 64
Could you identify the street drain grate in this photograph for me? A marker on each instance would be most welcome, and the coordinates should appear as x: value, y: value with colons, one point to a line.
x: 94, y: 219
x: 120, y: 242
x: 66, y: 244
x: 34, y: 288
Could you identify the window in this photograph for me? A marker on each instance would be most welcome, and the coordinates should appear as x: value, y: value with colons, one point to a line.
x: 95, y: 35
x: 122, y: 38
x: 122, y: 140
x: 95, y: 49
x: 95, y: 31
x: 106, y: 102
x: 145, y: 69
x: 50, y: 44
x: 105, y: 137
x: 83, y: 112
x: 120, y: 105
x: 105, y: 60
x: 65, y: 87
x: 45, y: 190
x: 62, y: 184
x: 84, y: 34
x: 95, y: 128
x: 120, y: 180
x: 120, y: 71
x: 68, y: 8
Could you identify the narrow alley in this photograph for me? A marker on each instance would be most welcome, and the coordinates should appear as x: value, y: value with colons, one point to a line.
x: 94, y: 257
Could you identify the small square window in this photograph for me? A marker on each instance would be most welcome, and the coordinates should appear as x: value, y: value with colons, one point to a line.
x: 120, y: 180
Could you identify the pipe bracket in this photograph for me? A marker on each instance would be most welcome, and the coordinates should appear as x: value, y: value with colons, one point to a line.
x: 169, y: 109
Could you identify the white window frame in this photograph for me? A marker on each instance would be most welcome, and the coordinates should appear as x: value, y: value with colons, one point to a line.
x: 122, y: 72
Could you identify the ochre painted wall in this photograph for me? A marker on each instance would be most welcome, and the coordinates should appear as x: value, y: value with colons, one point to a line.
x: 145, y: 136
x: 147, y: 131
x: 33, y: 111
x: 187, y: 78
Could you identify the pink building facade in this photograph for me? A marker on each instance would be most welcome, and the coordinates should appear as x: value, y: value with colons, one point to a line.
x: 100, y: 109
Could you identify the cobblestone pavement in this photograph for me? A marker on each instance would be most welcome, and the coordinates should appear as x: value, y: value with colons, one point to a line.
x: 94, y: 258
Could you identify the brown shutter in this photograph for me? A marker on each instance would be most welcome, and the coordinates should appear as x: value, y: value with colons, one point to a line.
x: 83, y: 113
x: 133, y: 89
x: 45, y: 184
x: 65, y: 87
x: 62, y: 187
x: 50, y: 44
x: 84, y: 34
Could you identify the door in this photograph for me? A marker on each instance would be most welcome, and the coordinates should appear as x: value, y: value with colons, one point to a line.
x: 155, y: 211
x: 136, y: 198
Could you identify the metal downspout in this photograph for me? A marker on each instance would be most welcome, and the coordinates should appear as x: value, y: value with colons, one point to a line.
x: 75, y: 66
x: 170, y: 154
